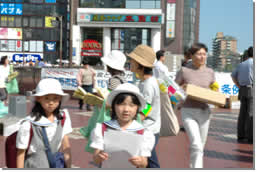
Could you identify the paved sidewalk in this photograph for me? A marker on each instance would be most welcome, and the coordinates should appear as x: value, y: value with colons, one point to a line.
x: 221, y: 150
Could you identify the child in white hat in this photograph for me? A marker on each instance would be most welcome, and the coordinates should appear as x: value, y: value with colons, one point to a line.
x: 45, y: 113
x: 126, y: 101
x: 115, y: 62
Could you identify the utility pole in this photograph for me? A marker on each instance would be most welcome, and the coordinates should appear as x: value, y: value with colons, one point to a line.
x: 71, y: 25
x: 60, y: 20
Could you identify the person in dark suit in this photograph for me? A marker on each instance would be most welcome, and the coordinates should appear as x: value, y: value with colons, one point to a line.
x: 242, y: 76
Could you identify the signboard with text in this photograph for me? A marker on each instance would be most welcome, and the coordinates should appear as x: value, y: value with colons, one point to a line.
x: 119, y: 18
x: 67, y: 77
x: 11, y: 9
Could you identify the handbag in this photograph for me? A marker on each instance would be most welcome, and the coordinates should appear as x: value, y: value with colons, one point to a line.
x: 169, y: 121
x: 55, y: 160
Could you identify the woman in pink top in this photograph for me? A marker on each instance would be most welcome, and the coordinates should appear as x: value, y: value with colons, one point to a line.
x: 195, y: 114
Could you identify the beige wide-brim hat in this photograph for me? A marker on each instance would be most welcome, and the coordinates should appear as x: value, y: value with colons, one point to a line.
x: 144, y: 55
x: 127, y: 88
x: 49, y: 86
x: 115, y: 59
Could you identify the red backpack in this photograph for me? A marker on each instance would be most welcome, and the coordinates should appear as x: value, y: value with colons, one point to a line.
x: 11, y: 150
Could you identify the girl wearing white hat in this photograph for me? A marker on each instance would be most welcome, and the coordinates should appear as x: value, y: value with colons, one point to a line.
x: 46, y: 114
x: 126, y: 101
x: 115, y: 62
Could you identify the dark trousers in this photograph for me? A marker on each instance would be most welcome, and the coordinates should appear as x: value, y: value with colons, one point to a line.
x: 245, y: 118
x: 3, y: 94
x: 87, y: 88
x: 153, y: 160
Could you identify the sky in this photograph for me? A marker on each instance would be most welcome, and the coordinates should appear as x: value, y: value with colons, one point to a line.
x: 232, y: 17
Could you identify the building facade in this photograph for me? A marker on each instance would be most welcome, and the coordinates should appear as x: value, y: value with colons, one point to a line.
x: 32, y: 30
x: 224, y: 52
x: 101, y: 26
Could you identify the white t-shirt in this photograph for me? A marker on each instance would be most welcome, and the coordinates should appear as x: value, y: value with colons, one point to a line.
x: 151, y: 92
x: 160, y: 68
x: 23, y: 134
x: 98, y: 139
x: 4, y: 74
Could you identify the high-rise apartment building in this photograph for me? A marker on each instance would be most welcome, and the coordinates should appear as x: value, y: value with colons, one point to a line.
x: 224, y: 51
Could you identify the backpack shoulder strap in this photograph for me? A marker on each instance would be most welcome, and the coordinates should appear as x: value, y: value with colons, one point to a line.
x: 121, y: 81
x: 141, y: 132
x: 63, y: 118
x: 30, y: 138
x: 104, y: 128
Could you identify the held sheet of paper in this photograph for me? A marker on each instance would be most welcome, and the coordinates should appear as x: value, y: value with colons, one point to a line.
x: 120, y: 146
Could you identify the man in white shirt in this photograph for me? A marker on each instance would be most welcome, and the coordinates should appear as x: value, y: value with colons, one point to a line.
x: 159, y: 66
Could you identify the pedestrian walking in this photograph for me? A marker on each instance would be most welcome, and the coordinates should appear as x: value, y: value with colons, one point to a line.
x: 159, y: 67
x: 47, y: 116
x: 115, y: 62
x: 187, y: 57
x: 142, y: 63
x: 86, y: 80
x: 126, y: 101
x: 242, y: 76
x: 4, y: 70
x: 195, y: 114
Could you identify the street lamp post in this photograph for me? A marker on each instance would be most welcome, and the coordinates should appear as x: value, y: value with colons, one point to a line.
x: 60, y: 24
x: 60, y: 19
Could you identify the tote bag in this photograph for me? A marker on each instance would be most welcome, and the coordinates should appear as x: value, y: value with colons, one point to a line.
x: 169, y: 121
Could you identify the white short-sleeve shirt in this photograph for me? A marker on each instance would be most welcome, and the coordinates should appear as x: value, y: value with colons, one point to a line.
x: 23, y: 134
x: 147, y: 146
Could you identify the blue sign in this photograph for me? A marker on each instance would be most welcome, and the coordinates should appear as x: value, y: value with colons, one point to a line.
x: 74, y: 51
x: 226, y: 89
x: 26, y: 57
x: 11, y: 9
x: 50, y: 46
x: 50, y: 1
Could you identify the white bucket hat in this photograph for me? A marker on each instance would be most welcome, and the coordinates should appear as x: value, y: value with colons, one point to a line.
x: 115, y: 59
x: 50, y: 86
x: 127, y: 88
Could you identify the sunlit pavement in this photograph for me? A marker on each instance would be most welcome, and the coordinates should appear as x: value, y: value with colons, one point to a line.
x: 221, y: 150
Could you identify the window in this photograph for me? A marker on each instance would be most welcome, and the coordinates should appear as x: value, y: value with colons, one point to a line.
x: 146, y: 4
x: 4, y: 21
x: 127, y: 39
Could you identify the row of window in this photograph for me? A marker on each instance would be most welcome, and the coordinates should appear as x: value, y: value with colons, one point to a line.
x: 21, y: 46
x: 27, y: 21
x: 34, y: 1
x: 145, y: 4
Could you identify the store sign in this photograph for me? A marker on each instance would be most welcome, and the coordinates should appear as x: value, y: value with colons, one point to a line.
x: 91, y: 54
x: 26, y: 57
x: 91, y: 48
x: 10, y: 9
x: 170, y: 19
x: 50, y: 46
x: 50, y: 1
x: 119, y: 18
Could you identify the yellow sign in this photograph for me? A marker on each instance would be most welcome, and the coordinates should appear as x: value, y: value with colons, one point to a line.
x: 48, y: 21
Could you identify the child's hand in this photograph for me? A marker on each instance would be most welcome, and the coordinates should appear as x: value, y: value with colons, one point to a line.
x: 100, y: 156
x: 138, y: 161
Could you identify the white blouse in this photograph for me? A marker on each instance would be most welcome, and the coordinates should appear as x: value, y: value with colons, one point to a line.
x: 148, y: 140
x: 23, y: 134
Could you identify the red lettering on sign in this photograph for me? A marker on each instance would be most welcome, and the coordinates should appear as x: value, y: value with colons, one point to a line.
x: 141, y: 18
x: 154, y: 18
x: 129, y: 19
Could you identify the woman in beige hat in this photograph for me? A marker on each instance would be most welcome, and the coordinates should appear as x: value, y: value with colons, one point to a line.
x: 142, y: 63
x: 115, y: 62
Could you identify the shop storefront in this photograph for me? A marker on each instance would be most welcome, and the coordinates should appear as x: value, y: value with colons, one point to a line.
x: 116, y: 29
